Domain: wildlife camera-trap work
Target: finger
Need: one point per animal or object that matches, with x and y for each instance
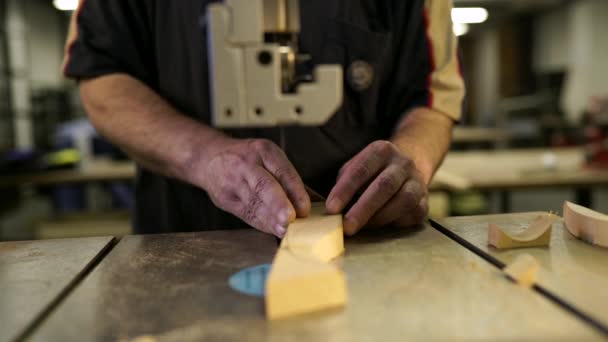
(245, 204)
(355, 174)
(263, 186)
(380, 191)
(276, 162)
(403, 205)
(416, 216)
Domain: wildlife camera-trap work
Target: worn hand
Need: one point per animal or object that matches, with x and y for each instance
(393, 190)
(254, 180)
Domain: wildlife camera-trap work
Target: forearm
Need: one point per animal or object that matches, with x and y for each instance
(150, 130)
(425, 136)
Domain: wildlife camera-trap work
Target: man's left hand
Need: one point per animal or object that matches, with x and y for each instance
(393, 190)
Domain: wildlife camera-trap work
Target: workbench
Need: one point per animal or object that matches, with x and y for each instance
(476, 170)
(438, 283)
(101, 170)
(506, 170)
(496, 170)
(479, 135)
(523, 169)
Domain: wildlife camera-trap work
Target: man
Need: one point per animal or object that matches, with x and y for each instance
(143, 72)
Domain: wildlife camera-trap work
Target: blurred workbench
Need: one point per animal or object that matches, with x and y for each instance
(474, 170)
(474, 135)
(415, 284)
(525, 168)
(96, 171)
(507, 170)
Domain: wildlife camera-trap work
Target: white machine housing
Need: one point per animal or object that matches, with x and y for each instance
(248, 93)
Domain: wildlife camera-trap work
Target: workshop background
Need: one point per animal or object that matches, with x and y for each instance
(533, 135)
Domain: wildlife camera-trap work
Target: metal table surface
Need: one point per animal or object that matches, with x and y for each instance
(409, 284)
(34, 275)
(573, 270)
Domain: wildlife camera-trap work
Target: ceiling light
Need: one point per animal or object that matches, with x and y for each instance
(469, 15)
(65, 5)
(460, 29)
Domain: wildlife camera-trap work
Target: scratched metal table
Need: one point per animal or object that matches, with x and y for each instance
(409, 284)
(36, 274)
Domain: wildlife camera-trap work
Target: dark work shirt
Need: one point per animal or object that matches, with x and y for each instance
(163, 43)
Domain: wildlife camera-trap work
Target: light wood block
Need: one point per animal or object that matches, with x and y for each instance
(299, 285)
(536, 235)
(586, 224)
(318, 236)
(523, 270)
(302, 278)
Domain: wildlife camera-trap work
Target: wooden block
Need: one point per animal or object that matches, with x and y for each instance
(586, 224)
(302, 278)
(523, 270)
(537, 234)
(298, 285)
(318, 236)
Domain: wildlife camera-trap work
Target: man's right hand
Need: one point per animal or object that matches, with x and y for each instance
(253, 180)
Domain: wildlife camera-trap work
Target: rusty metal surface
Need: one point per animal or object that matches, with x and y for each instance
(33, 274)
(403, 285)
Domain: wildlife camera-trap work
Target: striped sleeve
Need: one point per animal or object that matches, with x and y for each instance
(445, 84)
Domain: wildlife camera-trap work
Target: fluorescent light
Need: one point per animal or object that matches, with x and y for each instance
(65, 5)
(460, 29)
(469, 15)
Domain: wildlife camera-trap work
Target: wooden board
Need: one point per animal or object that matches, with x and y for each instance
(403, 285)
(299, 285)
(303, 278)
(586, 224)
(574, 270)
(35, 274)
(318, 236)
(537, 234)
(523, 270)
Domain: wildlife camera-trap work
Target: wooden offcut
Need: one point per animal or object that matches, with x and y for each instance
(302, 278)
(536, 235)
(318, 236)
(523, 270)
(586, 224)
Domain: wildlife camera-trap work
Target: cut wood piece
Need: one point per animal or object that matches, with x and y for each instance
(318, 236)
(298, 285)
(302, 278)
(537, 234)
(523, 270)
(586, 224)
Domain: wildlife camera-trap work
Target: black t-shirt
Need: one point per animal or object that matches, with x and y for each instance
(408, 44)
